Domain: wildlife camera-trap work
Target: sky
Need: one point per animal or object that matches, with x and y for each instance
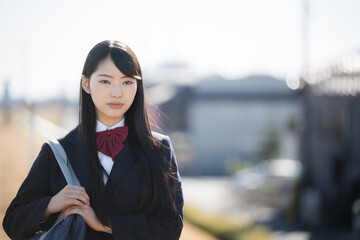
(43, 43)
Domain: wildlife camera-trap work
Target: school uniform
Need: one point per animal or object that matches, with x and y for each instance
(45, 179)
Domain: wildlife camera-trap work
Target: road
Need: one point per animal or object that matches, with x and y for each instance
(216, 195)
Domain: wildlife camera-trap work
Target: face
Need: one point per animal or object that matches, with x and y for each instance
(111, 91)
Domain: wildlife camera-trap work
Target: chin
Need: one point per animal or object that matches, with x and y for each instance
(117, 116)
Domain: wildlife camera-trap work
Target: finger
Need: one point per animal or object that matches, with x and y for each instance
(79, 192)
(85, 196)
(79, 197)
(82, 195)
(73, 202)
(64, 212)
(71, 211)
(72, 187)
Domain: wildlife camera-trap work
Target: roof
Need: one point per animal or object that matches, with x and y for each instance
(252, 85)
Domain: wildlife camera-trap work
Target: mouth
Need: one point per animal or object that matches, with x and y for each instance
(115, 105)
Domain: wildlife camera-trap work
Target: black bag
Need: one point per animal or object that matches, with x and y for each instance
(72, 228)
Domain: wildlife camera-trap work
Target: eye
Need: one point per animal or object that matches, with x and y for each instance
(128, 82)
(104, 81)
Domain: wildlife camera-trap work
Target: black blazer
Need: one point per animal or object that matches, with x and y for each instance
(45, 179)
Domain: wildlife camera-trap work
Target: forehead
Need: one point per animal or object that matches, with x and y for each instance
(107, 66)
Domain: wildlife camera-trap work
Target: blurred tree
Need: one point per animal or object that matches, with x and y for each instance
(5, 103)
(269, 145)
(234, 164)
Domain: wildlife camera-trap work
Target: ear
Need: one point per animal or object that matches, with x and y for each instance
(85, 84)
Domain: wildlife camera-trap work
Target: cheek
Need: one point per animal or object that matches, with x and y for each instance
(132, 93)
(97, 97)
(97, 90)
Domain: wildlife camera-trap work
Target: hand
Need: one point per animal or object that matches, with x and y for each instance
(69, 196)
(89, 215)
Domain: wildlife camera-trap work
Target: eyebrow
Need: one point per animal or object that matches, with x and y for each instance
(104, 75)
(109, 76)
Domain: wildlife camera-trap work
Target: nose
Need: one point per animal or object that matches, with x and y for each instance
(116, 90)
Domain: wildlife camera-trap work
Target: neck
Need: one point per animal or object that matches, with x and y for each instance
(110, 123)
(101, 126)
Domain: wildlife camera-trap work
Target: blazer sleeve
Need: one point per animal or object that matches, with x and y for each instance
(23, 216)
(160, 226)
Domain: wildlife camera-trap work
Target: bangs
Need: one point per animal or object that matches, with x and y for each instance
(124, 61)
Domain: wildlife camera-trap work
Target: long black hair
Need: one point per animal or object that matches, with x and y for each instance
(158, 178)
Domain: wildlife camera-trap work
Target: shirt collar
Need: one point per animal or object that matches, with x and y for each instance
(102, 127)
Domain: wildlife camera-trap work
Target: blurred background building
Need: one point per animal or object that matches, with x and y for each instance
(329, 146)
(222, 123)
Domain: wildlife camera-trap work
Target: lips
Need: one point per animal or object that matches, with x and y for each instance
(115, 105)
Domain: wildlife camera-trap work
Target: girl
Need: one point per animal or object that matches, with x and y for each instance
(131, 187)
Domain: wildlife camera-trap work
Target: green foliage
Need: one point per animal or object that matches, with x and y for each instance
(235, 164)
(224, 229)
(269, 146)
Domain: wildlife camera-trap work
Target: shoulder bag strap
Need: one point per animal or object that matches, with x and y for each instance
(67, 171)
(63, 162)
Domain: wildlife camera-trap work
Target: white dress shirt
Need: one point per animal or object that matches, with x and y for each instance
(105, 160)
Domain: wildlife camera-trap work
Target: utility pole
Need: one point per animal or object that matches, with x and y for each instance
(305, 36)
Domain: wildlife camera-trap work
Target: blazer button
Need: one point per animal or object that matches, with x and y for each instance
(39, 232)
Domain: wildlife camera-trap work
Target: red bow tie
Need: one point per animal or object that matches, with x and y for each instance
(110, 142)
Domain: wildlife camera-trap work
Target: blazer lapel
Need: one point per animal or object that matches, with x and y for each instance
(77, 157)
(122, 163)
